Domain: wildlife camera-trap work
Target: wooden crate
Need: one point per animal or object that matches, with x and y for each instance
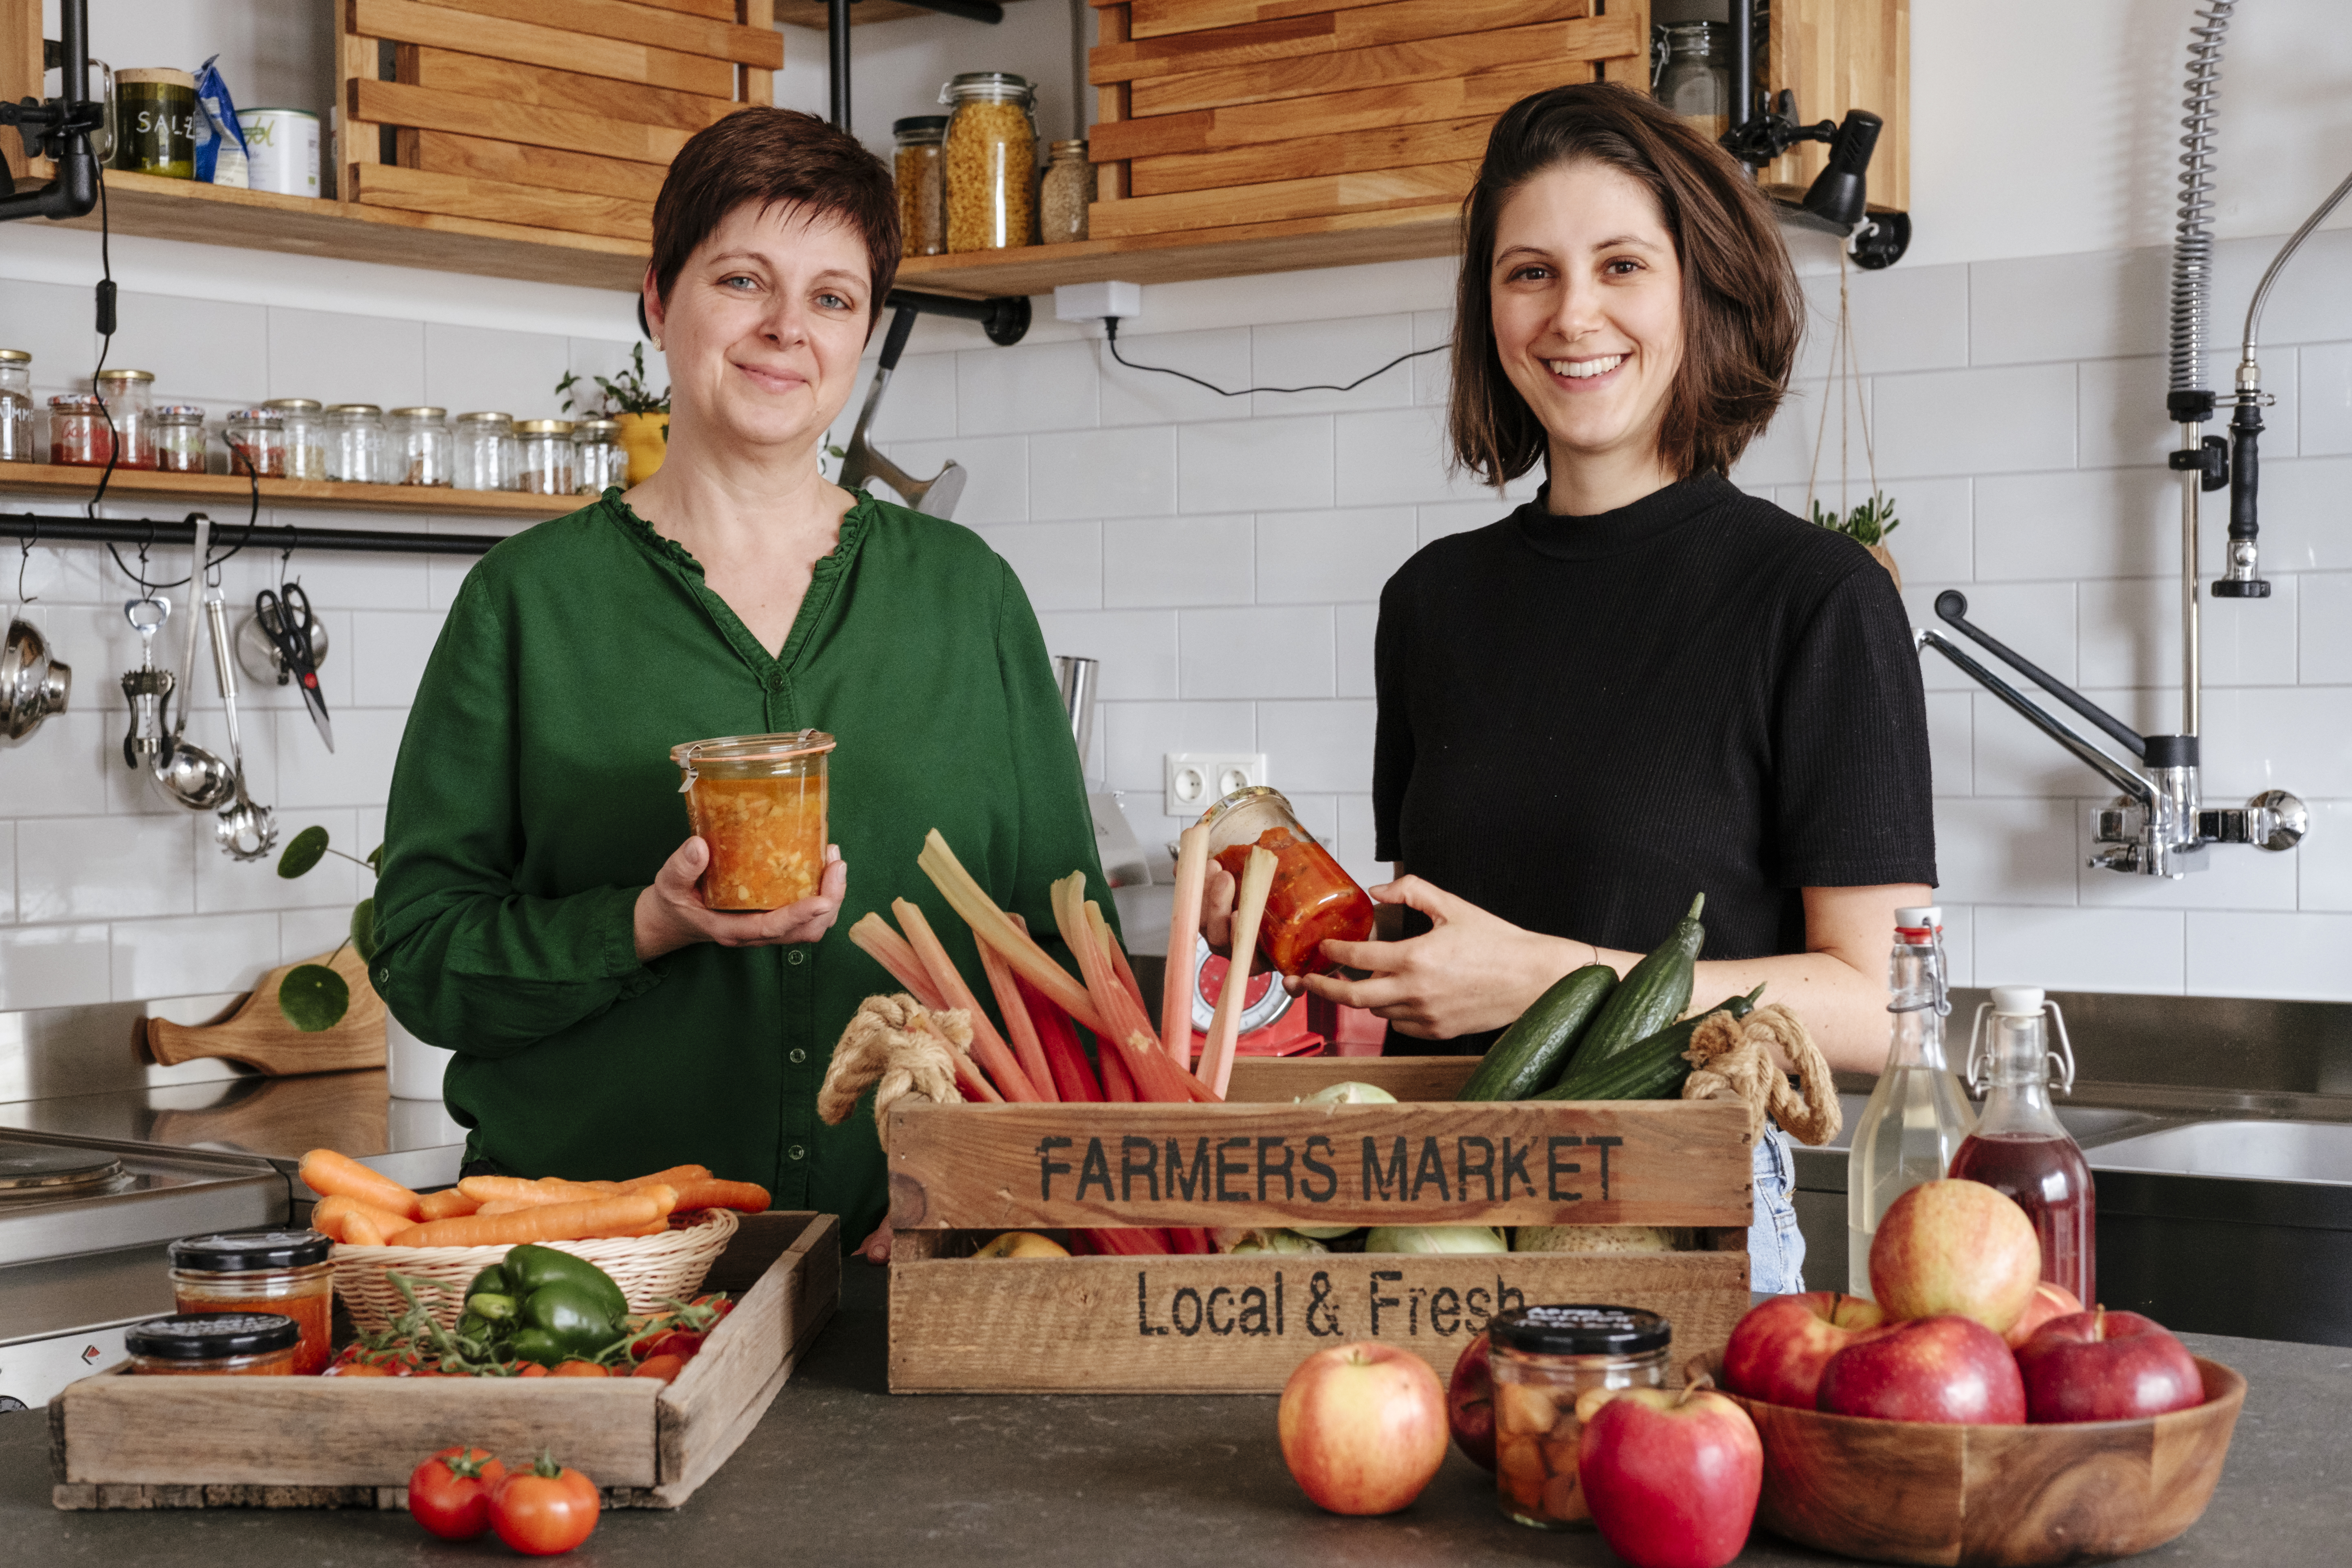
(122, 1442)
(1240, 1325)
(1221, 114)
(549, 117)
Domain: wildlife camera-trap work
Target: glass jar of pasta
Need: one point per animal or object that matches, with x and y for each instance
(918, 169)
(992, 161)
(759, 803)
(1545, 1359)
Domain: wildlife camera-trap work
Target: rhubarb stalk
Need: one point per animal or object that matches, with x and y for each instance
(873, 936)
(988, 1047)
(990, 925)
(1183, 944)
(1226, 1027)
(1017, 1023)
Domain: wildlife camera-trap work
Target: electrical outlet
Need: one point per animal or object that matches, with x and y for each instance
(1198, 780)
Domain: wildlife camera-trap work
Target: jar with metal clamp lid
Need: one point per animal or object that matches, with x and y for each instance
(992, 161)
(2019, 1147)
(1546, 1360)
(758, 802)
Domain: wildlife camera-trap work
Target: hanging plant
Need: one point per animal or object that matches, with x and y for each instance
(1868, 524)
(312, 995)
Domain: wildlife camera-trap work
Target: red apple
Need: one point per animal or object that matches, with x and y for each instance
(2106, 1366)
(1470, 1403)
(1955, 1247)
(2049, 1301)
(1363, 1427)
(1777, 1352)
(1948, 1369)
(1671, 1478)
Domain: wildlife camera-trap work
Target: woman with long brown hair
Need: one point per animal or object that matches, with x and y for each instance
(1644, 684)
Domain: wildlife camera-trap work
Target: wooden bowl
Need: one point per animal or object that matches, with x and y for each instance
(1906, 1492)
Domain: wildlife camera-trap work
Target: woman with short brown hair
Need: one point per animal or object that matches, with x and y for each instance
(539, 909)
(1644, 684)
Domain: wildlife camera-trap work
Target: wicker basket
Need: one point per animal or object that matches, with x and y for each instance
(648, 1268)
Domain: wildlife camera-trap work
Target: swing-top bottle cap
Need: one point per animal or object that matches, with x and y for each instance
(2017, 1000)
(1926, 915)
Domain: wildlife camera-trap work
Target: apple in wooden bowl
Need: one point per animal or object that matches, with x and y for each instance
(1914, 1491)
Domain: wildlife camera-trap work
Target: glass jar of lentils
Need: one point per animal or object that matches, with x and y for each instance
(992, 161)
(1065, 194)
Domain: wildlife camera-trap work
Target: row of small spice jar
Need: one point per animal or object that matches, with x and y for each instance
(297, 438)
(968, 180)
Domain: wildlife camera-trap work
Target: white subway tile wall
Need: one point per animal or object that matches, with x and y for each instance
(1223, 558)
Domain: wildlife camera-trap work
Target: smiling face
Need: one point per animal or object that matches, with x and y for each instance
(764, 329)
(1588, 322)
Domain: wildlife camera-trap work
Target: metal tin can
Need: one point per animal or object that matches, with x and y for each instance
(1545, 1360)
(281, 149)
(155, 122)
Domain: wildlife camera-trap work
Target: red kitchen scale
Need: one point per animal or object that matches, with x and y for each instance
(1276, 1024)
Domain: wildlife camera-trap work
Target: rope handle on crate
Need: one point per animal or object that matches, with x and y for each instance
(896, 1047)
(1731, 1058)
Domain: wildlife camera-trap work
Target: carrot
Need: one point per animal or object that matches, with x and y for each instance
(676, 1176)
(327, 1174)
(545, 1222)
(446, 1203)
(1072, 1077)
(988, 1047)
(359, 1230)
(744, 1197)
(515, 1190)
(334, 1213)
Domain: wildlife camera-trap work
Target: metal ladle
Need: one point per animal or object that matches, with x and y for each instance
(190, 774)
(245, 831)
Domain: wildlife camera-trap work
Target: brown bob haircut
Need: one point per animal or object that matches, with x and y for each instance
(1742, 312)
(775, 157)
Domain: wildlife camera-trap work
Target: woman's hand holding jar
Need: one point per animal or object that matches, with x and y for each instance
(670, 913)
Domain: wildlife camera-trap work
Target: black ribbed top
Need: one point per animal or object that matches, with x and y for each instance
(1583, 720)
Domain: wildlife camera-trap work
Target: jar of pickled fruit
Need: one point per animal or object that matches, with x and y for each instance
(285, 1272)
(1545, 1360)
(758, 802)
(1312, 900)
(232, 1344)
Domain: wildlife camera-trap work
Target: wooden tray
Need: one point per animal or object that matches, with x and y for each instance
(1998, 1497)
(120, 1442)
(1241, 1324)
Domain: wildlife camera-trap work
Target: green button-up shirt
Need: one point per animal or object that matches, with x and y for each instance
(534, 797)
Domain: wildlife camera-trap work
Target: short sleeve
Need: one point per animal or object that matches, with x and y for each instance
(1854, 801)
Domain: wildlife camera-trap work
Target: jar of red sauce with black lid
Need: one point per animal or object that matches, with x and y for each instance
(284, 1272)
(237, 1344)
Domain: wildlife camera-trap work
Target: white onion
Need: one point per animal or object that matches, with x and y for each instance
(1350, 1094)
(1272, 1239)
(1434, 1238)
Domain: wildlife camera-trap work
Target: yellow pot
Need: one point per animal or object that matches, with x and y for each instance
(646, 438)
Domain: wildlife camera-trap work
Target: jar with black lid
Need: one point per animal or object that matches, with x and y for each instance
(1545, 1359)
(282, 1271)
(234, 1344)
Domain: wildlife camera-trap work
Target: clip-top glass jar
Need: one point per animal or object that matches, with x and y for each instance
(758, 802)
(15, 407)
(918, 169)
(1312, 902)
(1065, 194)
(282, 1271)
(543, 456)
(237, 1344)
(485, 451)
(1695, 82)
(78, 436)
(256, 439)
(1545, 1360)
(305, 440)
(417, 448)
(597, 461)
(355, 443)
(180, 438)
(991, 159)
(129, 396)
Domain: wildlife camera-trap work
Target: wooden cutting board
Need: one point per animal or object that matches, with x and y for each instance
(256, 1034)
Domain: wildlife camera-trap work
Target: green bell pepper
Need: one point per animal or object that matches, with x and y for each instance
(546, 1306)
(529, 1268)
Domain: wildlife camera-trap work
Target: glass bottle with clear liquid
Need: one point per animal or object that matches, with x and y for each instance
(1917, 1115)
(2020, 1148)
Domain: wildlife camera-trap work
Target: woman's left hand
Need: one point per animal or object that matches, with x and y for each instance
(1472, 971)
(670, 913)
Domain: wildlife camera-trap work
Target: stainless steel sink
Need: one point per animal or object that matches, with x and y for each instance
(2311, 1151)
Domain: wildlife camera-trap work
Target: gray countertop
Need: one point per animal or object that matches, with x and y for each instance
(841, 1472)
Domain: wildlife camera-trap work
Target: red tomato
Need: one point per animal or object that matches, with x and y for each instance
(544, 1510)
(449, 1494)
(665, 1367)
(532, 1369)
(578, 1369)
(356, 1369)
(683, 1343)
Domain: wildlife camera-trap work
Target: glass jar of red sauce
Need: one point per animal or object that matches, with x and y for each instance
(236, 1344)
(1312, 899)
(79, 435)
(280, 1272)
(758, 802)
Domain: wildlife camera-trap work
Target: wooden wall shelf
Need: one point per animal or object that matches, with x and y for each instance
(223, 491)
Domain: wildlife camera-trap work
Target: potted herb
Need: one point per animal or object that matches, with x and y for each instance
(642, 413)
(1868, 526)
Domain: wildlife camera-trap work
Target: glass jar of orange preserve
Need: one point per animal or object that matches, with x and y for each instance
(282, 1271)
(1312, 899)
(234, 1344)
(758, 801)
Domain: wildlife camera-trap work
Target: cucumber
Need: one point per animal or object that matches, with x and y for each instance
(1649, 1069)
(1652, 995)
(1532, 1049)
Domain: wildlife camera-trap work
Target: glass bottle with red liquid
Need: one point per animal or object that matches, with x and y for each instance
(1312, 899)
(2019, 1148)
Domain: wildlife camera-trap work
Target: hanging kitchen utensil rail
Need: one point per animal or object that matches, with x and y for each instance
(33, 527)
